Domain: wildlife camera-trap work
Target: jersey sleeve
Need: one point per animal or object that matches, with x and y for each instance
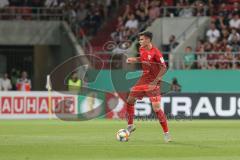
(159, 57)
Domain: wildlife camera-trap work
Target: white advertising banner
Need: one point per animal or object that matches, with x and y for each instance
(36, 105)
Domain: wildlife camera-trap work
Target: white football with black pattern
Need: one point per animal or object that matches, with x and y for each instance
(122, 135)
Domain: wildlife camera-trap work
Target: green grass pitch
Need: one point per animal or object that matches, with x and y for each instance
(95, 139)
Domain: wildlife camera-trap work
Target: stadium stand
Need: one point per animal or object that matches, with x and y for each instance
(142, 14)
(87, 17)
(222, 40)
(84, 17)
(95, 23)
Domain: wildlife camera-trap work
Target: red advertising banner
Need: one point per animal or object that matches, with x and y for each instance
(22, 104)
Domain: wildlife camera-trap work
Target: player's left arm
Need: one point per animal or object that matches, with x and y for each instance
(162, 66)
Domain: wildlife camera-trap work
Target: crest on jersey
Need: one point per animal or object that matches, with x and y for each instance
(149, 57)
(161, 60)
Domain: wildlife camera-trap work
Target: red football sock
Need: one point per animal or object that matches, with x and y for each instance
(162, 120)
(130, 113)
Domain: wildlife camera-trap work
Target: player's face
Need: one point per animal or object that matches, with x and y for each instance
(74, 76)
(144, 41)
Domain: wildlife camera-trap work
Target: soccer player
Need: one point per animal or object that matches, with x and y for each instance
(148, 85)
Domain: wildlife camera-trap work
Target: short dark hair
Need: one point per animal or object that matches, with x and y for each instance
(147, 34)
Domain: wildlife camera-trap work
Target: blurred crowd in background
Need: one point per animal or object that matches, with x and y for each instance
(16, 80)
(220, 47)
(221, 40)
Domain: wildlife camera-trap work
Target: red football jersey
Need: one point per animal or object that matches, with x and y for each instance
(150, 60)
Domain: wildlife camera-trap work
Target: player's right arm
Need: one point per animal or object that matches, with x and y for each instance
(133, 60)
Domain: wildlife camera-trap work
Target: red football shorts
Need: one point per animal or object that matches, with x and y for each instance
(140, 91)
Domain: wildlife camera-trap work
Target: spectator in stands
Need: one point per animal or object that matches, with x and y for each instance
(143, 20)
(117, 34)
(132, 22)
(14, 77)
(220, 48)
(120, 22)
(222, 10)
(200, 8)
(126, 34)
(23, 83)
(222, 21)
(200, 46)
(127, 11)
(175, 86)
(236, 7)
(121, 34)
(189, 58)
(154, 10)
(74, 83)
(142, 16)
(142, 7)
(212, 64)
(81, 14)
(237, 58)
(107, 7)
(5, 83)
(224, 33)
(208, 47)
(51, 3)
(180, 4)
(201, 56)
(235, 44)
(186, 11)
(222, 62)
(234, 35)
(229, 58)
(172, 42)
(70, 13)
(224, 45)
(235, 21)
(94, 21)
(131, 28)
(213, 33)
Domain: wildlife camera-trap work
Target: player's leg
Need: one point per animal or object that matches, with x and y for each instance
(161, 116)
(159, 113)
(130, 113)
(135, 93)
